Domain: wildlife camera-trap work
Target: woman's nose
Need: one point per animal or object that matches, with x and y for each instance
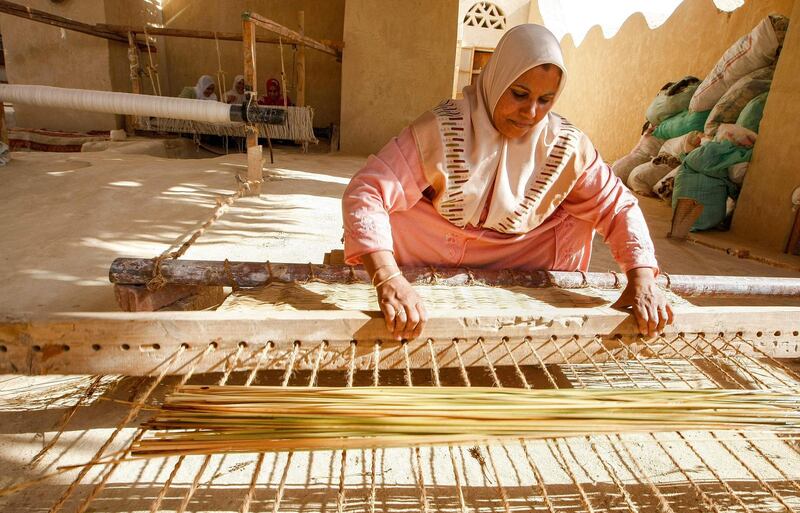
(529, 109)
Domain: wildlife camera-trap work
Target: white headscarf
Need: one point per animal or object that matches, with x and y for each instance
(232, 92)
(202, 84)
(467, 160)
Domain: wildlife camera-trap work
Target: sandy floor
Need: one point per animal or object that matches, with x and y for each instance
(65, 217)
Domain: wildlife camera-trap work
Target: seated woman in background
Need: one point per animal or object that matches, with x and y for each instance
(204, 90)
(496, 181)
(273, 96)
(236, 93)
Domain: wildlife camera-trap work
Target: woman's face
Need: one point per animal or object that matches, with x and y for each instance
(208, 90)
(240, 87)
(273, 90)
(526, 101)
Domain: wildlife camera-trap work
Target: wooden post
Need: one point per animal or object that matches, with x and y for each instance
(3, 128)
(136, 83)
(793, 248)
(254, 154)
(301, 68)
(301, 63)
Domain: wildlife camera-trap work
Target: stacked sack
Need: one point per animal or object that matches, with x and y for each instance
(672, 100)
(672, 134)
(735, 91)
(700, 134)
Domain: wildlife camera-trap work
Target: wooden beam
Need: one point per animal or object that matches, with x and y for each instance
(136, 81)
(254, 153)
(290, 34)
(208, 34)
(61, 22)
(793, 246)
(3, 127)
(136, 344)
(138, 271)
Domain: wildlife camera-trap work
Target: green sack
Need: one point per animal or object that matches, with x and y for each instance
(703, 176)
(189, 93)
(680, 124)
(664, 106)
(751, 115)
(715, 157)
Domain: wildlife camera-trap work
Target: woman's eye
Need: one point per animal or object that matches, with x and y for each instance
(545, 101)
(518, 94)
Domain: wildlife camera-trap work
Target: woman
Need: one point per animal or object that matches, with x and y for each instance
(204, 90)
(273, 96)
(236, 93)
(496, 181)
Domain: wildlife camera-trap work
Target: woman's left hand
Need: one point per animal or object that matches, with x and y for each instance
(650, 307)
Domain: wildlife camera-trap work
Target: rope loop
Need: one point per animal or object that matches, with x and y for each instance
(584, 280)
(268, 267)
(434, 276)
(226, 265)
(157, 281)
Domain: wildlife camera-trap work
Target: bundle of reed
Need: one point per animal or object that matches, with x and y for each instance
(214, 419)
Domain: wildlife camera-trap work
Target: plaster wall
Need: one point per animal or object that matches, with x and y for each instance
(399, 61)
(186, 59)
(135, 14)
(44, 55)
(612, 81)
(764, 211)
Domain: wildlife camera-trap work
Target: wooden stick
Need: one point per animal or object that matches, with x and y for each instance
(136, 343)
(136, 83)
(65, 23)
(301, 63)
(208, 34)
(138, 271)
(288, 33)
(254, 154)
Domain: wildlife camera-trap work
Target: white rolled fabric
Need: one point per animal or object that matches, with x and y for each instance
(116, 103)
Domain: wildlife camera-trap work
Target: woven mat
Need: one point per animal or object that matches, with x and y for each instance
(339, 296)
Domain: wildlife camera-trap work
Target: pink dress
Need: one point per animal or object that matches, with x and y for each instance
(384, 208)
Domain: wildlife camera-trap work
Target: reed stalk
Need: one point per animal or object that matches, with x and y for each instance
(213, 419)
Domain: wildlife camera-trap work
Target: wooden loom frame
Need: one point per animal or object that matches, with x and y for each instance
(249, 22)
(138, 343)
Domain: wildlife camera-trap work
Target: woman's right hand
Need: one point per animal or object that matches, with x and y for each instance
(402, 308)
(400, 304)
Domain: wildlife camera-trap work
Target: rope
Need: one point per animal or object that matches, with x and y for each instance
(223, 202)
(298, 126)
(152, 68)
(438, 382)
(220, 71)
(90, 391)
(120, 426)
(226, 265)
(283, 75)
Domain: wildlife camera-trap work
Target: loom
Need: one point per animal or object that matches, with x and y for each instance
(309, 325)
(142, 105)
(316, 325)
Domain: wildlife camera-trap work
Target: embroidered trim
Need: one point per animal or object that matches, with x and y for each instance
(451, 127)
(563, 150)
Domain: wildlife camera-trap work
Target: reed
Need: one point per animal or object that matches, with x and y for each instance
(214, 419)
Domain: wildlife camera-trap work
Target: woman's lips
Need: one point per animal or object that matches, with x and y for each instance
(519, 124)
